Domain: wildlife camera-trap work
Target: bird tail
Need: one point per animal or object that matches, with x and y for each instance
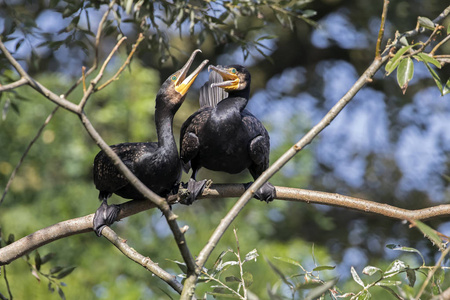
(211, 96)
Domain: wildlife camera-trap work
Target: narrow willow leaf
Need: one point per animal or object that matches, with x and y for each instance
(393, 62)
(429, 59)
(405, 72)
(322, 268)
(446, 88)
(394, 268)
(365, 295)
(280, 274)
(385, 282)
(391, 291)
(221, 296)
(318, 291)
(370, 270)
(181, 265)
(436, 78)
(65, 272)
(356, 277)
(406, 249)
(427, 23)
(430, 233)
(411, 276)
(37, 261)
(232, 279)
(248, 279)
(289, 261)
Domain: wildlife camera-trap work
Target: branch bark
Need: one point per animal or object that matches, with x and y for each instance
(217, 191)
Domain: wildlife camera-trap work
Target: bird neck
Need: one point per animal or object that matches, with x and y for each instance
(233, 102)
(164, 128)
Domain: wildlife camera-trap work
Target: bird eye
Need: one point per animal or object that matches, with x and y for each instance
(174, 78)
(233, 71)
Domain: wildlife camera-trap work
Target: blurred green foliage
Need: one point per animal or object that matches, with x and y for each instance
(55, 184)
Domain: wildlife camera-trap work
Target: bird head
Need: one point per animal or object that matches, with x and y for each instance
(175, 88)
(235, 77)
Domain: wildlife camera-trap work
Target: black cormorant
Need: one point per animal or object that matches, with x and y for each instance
(157, 165)
(222, 135)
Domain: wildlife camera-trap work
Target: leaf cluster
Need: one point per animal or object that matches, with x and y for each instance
(402, 61)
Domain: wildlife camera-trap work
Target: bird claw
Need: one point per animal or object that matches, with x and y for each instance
(194, 189)
(265, 193)
(105, 216)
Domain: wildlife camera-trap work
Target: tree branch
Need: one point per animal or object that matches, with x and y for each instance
(50, 116)
(83, 224)
(13, 85)
(381, 32)
(277, 165)
(138, 258)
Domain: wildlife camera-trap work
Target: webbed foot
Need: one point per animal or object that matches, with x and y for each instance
(265, 193)
(105, 216)
(194, 188)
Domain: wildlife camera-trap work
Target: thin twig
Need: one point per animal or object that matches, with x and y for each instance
(431, 273)
(50, 116)
(13, 85)
(93, 83)
(277, 165)
(25, 153)
(7, 284)
(96, 47)
(446, 39)
(36, 85)
(138, 258)
(381, 32)
(241, 271)
(127, 62)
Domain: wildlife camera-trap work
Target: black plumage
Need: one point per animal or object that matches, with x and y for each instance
(156, 164)
(222, 135)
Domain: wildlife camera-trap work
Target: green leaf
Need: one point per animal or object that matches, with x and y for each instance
(289, 261)
(406, 249)
(394, 268)
(61, 294)
(405, 72)
(436, 78)
(37, 261)
(232, 279)
(280, 274)
(427, 23)
(448, 29)
(430, 233)
(365, 295)
(220, 295)
(446, 88)
(356, 277)
(385, 282)
(429, 59)
(65, 272)
(322, 268)
(393, 62)
(248, 279)
(370, 270)
(411, 276)
(47, 257)
(252, 255)
(391, 291)
(318, 291)
(55, 269)
(181, 265)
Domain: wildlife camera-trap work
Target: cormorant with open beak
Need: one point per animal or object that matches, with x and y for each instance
(222, 135)
(156, 164)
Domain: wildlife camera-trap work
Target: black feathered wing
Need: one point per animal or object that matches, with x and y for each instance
(107, 177)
